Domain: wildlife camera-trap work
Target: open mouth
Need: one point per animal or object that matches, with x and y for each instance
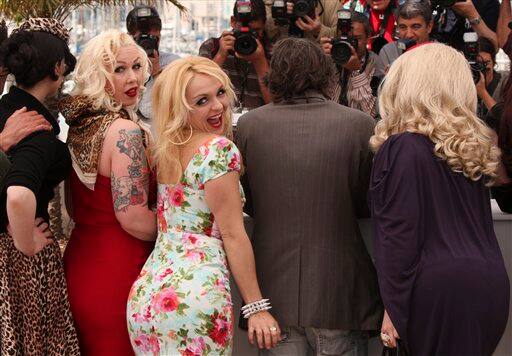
(132, 92)
(215, 121)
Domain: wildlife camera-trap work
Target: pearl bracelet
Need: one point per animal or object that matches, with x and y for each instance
(255, 307)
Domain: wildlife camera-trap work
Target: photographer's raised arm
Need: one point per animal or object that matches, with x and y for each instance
(503, 31)
(467, 10)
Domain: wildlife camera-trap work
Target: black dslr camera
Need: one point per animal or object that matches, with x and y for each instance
(143, 16)
(471, 50)
(279, 13)
(302, 8)
(245, 38)
(341, 46)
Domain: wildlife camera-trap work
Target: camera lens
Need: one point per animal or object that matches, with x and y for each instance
(245, 44)
(301, 8)
(341, 52)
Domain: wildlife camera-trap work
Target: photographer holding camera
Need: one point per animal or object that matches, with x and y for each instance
(415, 24)
(244, 53)
(456, 17)
(144, 24)
(355, 63)
(312, 19)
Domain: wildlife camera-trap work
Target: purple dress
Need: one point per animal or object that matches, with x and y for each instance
(440, 268)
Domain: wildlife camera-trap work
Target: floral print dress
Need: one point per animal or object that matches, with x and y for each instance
(181, 302)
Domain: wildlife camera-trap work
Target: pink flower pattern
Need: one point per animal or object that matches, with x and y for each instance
(181, 302)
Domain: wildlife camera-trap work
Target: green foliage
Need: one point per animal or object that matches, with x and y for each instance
(18, 10)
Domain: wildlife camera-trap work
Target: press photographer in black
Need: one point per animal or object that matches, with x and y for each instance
(453, 18)
(311, 19)
(244, 53)
(355, 63)
(144, 24)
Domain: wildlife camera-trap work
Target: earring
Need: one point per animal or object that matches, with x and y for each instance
(186, 141)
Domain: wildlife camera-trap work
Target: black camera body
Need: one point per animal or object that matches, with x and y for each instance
(245, 38)
(341, 45)
(149, 43)
(245, 41)
(471, 51)
(143, 17)
(302, 8)
(279, 13)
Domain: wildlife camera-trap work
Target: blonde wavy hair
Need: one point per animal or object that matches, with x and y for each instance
(171, 111)
(95, 68)
(429, 90)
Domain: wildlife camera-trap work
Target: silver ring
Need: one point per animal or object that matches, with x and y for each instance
(385, 337)
(273, 328)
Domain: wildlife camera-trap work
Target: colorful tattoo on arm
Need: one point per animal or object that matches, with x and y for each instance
(131, 189)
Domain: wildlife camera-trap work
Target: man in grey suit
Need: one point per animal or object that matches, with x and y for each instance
(307, 165)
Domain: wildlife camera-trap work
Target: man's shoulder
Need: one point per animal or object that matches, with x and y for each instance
(167, 57)
(209, 47)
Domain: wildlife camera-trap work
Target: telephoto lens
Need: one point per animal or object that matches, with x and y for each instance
(302, 8)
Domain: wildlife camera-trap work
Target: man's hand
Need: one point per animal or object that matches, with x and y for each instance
(466, 9)
(21, 124)
(307, 24)
(480, 86)
(226, 43)
(325, 42)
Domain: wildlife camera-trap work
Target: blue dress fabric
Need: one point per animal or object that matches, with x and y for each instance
(440, 268)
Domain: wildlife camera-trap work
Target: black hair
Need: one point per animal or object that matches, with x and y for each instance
(258, 11)
(488, 47)
(134, 24)
(32, 56)
(411, 9)
(298, 65)
(362, 19)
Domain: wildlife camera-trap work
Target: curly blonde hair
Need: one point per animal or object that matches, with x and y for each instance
(95, 68)
(171, 110)
(429, 90)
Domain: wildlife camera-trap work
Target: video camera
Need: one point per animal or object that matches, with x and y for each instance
(143, 18)
(471, 50)
(344, 42)
(245, 38)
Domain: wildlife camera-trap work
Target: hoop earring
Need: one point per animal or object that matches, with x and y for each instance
(186, 141)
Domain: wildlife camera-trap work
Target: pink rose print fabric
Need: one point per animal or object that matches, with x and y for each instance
(181, 302)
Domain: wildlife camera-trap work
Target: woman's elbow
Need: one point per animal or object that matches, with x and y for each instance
(18, 196)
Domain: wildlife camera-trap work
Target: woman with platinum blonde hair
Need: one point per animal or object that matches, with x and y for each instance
(441, 273)
(181, 302)
(111, 190)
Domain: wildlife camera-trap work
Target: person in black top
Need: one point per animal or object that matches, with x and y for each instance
(34, 310)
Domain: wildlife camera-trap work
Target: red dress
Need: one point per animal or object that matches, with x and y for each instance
(101, 262)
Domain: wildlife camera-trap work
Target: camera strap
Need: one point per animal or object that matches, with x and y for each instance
(244, 72)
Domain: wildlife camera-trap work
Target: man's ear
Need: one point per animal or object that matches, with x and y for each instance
(233, 22)
(430, 26)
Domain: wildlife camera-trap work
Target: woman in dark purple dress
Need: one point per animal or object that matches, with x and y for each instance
(440, 269)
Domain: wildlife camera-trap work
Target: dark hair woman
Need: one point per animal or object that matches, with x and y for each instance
(34, 309)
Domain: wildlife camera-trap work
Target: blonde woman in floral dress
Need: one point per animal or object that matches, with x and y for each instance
(181, 302)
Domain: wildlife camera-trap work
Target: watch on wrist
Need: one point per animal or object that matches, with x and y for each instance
(475, 21)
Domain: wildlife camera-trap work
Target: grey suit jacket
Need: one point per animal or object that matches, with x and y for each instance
(307, 168)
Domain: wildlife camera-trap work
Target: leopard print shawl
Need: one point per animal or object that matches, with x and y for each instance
(87, 129)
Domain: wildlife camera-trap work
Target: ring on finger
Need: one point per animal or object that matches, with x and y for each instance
(385, 337)
(273, 329)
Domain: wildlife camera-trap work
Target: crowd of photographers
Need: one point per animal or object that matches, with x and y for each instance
(363, 38)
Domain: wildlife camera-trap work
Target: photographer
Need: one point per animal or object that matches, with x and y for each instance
(480, 16)
(414, 27)
(144, 25)
(491, 81)
(382, 19)
(245, 70)
(320, 23)
(353, 88)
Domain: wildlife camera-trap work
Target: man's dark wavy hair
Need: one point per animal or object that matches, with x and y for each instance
(298, 65)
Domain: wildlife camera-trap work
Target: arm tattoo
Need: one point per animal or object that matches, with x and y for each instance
(131, 189)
